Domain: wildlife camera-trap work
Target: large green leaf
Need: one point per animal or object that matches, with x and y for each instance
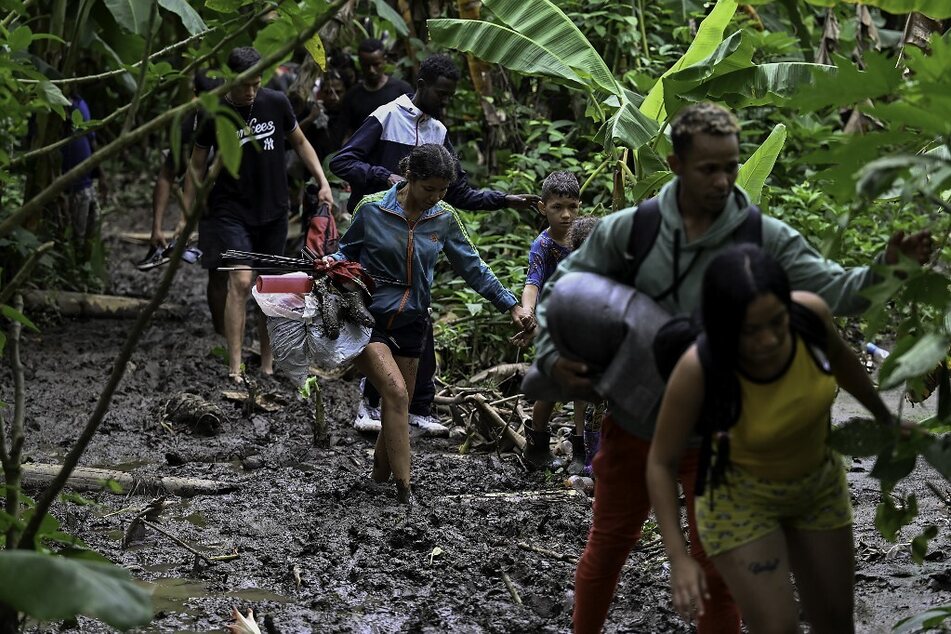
(132, 15)
(924, 621)
(390, 14)
(226, 134)
(629, 127)
(709, 36)
(501, 45)
(926, 353)
(545, 24)
(850, 85)
(861, 437)
(753, 173)
(190, 18)
(733, 54)
(51, 588)
(765, 84)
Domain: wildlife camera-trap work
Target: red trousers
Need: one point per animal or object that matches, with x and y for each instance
(621, 505)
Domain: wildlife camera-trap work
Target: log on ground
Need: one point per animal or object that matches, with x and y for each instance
(92, 305)
(93, 479)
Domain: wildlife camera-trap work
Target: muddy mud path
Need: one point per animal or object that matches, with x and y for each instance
(321, 548)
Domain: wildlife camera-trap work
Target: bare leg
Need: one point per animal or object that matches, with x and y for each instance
(239, 288)
(216, 294)
(541, 414)
(580, 409)
(824, 565)
(391, 376)
(267, 356)
(757, 574)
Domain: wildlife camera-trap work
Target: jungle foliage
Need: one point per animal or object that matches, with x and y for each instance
(844, 130)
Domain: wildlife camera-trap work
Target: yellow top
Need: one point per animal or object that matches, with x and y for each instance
(784, 423)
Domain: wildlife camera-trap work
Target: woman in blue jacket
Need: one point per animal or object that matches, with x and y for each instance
(397, 235)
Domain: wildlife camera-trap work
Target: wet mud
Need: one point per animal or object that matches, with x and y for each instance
(320, 546)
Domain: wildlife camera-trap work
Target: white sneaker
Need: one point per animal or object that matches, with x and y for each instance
(368, 418)
(429, 425)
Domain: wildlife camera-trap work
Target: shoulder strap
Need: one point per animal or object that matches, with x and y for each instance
(751, 230)
(644, 230)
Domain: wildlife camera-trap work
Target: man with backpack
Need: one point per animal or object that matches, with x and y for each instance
(663, 253)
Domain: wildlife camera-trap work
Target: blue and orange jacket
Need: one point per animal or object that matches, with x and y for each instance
(401, 257)
(390, 133)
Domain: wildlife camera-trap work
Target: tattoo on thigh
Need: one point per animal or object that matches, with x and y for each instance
(757, 567)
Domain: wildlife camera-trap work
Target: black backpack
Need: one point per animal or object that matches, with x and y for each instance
(646, 226)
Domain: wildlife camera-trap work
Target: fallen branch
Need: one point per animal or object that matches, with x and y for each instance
(92, 479)
(548, 553)
(92, 305)
(493, 416)
(498, 373)
(511, 588)
(176, 540)
(512, 496)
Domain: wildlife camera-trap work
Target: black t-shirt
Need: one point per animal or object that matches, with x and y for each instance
(190, 124)
(259, 194)
(359, 103)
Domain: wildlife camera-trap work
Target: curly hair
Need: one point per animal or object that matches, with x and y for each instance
(701, 118)
(370, 45)
(242, 58)
(429, 160)
(436, 66)
(561, 184)
(580, 229)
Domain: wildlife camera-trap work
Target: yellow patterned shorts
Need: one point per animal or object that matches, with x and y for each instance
(748, 507)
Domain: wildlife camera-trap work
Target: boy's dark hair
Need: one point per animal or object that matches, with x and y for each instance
(370, 45)
(561, 184)
(242, 58)
(203, 83)
(701, 118)
(580, 229)
(436, 66)
(429, 160)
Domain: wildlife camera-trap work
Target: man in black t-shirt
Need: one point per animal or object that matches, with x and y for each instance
(249, 213)
(375, 89)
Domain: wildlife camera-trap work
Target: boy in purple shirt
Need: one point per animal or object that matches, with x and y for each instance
(561, 200)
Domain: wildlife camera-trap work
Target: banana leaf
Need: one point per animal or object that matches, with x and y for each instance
(849, 85)
(935, 9)
(629, 127)
(190, 18)
(545, 24)
(709, 36)
(765, 84)
(733, 54)
(501, 45)
(132, 15)
(753, 173)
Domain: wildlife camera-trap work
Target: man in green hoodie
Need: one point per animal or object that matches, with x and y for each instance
(700, 210)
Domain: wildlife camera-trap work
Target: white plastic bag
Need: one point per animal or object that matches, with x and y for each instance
(298, 340)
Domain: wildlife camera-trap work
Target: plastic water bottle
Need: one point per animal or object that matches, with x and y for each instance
(878, 354)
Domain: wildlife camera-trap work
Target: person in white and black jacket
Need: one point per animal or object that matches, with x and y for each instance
(369, 161)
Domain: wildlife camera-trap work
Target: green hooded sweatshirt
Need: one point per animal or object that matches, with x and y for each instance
(604, 253)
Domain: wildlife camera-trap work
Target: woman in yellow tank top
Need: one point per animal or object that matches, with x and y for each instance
(783, 505)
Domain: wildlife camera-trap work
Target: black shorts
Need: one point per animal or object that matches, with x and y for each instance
(403, 341)
(218, 234)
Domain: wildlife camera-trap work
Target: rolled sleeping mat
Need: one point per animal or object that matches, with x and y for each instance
(611, 327)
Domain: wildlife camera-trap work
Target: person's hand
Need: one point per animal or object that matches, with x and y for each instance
(573, 376)
(394, 179)
(523, 338)
(522, 201)
(157, 239)
(917, 246)
(523, 318)
(325, 196)
(688, 587)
